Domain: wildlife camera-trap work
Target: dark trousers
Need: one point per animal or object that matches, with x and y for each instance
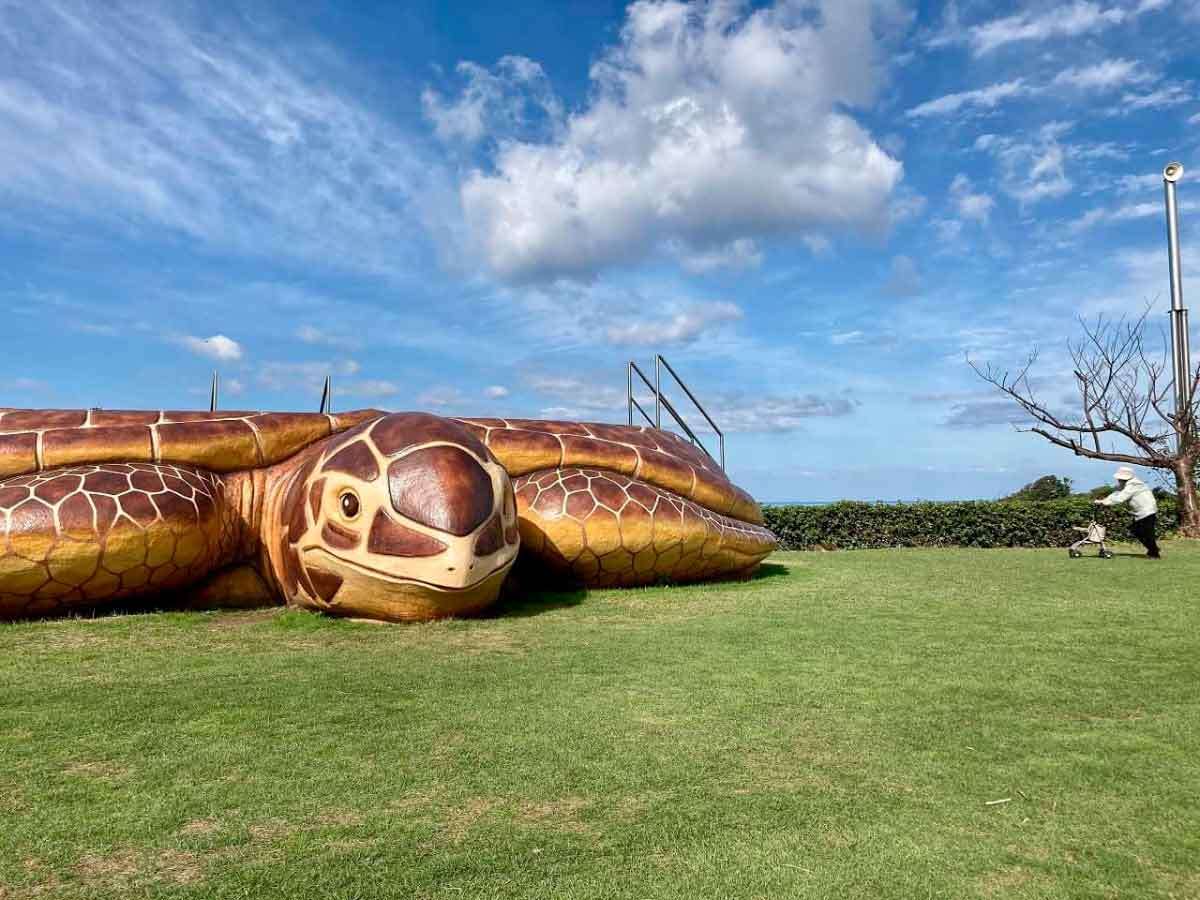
(1143, 530)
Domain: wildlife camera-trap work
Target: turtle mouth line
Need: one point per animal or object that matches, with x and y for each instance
(398, 579)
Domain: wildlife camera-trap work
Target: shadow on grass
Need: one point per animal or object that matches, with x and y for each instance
(534, 597)
(524, 603)
(769, 570)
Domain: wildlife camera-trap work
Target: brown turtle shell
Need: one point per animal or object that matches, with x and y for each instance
(32, 440)
(660, 458)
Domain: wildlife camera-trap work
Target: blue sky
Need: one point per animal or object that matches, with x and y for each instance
(816, 211)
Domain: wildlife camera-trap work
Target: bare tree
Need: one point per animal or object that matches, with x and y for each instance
(1125, 412)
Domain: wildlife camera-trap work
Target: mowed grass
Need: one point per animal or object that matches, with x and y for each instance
(841, 726)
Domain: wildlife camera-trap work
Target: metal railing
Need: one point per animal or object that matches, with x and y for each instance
(661, 402)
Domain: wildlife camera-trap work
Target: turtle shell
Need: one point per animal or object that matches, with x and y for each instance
(32, 440)
(660, 458)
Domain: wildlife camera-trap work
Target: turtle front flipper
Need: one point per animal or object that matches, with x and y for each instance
(602, 528)
(81, 537)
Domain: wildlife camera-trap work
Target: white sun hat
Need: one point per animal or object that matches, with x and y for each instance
(1124, 473)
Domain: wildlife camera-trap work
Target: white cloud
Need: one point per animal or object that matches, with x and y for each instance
(141, 117)
(578, 396)
(683, 327)
(218, 347)
(766, 413)
(495, 391)
(981, 413)
(948, 230)
(1127, 212)
(1104, 76)
(492, 105)
(819, 245)
(1139, 184)
(906, 204)
(1194, 120)
(970, 205)
(1032, 170)
(984, 98)
(846, 337)
(706, 124)
(732, 411)
(1168, 95)
(1108, 75)
(1072, 20)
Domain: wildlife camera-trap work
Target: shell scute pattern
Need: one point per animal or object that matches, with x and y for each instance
(85, 534)
(34, 440)
(660, 458)
(609, 529)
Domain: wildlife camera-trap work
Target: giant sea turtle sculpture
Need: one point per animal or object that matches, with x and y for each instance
(392, 516)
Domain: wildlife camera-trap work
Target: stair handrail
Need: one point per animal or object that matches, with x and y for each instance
(660, 400)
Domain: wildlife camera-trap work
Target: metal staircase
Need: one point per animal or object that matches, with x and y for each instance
(661, 403)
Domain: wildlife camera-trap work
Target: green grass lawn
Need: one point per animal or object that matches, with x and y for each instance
(838, 727)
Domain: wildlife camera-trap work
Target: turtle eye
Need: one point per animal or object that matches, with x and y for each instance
(349, 504)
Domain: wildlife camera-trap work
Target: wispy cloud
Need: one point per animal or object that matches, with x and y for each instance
(971, 205)
(1167, 95)
(983, 98)
(1070, 20)
(1125, 213)
(737, 412)
(682, 327)
(500, 104)
(309, 374)
(1032, 170)
(978, 413)
(139, 117)
(310, 334)
(1105, 76)
(441, 397)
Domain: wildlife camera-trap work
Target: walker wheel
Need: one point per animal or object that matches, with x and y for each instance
(1075, 554)
(1106, 554)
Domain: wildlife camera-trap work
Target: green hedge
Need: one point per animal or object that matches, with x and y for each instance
(850, 526)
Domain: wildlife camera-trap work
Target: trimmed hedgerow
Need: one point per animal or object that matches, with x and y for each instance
(985, 523)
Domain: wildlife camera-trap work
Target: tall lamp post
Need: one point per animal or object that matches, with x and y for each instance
(1180, 352)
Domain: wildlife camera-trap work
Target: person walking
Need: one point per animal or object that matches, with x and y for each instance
(1142, 504)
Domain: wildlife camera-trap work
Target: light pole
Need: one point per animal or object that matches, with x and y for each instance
(1181, 362)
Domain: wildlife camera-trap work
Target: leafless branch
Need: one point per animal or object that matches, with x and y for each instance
(1123, 397)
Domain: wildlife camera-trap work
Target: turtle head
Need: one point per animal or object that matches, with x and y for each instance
(405, 517)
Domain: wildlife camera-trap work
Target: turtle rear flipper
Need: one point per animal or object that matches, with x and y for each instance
(85, 536)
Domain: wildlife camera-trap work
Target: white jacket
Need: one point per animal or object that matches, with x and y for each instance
(1140, 497)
